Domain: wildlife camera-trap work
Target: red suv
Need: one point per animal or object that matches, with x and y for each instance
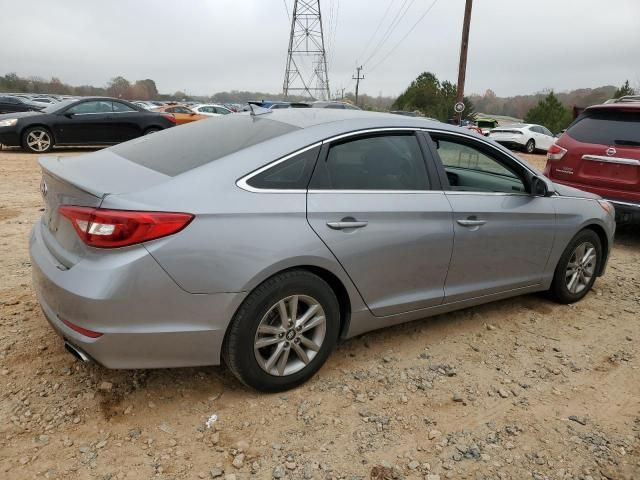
(600, 153)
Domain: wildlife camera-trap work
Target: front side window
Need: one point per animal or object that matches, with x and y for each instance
(292, 174)
(469, 169)
(222, 111)
(91, 107)
(382, 162)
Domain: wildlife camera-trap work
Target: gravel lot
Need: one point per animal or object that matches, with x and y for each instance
(518, 389)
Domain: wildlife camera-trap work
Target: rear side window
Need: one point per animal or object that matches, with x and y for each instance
(383, 162)
(291, 174)
(177, 150)
(607, 128)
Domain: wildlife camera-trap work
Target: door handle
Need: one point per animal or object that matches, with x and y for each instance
(343, 225)
(471, 223)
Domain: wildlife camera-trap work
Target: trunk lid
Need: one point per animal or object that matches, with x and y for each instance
(85, 181)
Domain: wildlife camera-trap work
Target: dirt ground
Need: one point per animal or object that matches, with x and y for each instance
(517, 389)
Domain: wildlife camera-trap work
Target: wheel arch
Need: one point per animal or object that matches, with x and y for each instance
(33, 125)
(604, 242)
(338, 285)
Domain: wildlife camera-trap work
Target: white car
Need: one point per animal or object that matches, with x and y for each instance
(524, 136)
(211, 110)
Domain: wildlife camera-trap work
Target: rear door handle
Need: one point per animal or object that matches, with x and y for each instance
(343, 225)
(471, 223)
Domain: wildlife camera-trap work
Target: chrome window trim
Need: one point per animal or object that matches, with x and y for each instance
(386, 192)
(242, 182)
(624, 204)
(618, 160)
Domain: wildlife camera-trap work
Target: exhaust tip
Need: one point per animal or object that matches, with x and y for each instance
(76, 352)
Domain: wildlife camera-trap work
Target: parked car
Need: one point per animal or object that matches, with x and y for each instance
(11, 104)
(181, 113)
(523, 136)
(211, 110)
(334, 104)
(486, 124)
(145, 104)
(265, 239)
(90, 121)
(600, 153)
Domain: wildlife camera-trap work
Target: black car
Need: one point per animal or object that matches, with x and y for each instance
(88, 121)
(11, 104)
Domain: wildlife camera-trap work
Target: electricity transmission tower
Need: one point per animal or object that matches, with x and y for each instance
(306, 40)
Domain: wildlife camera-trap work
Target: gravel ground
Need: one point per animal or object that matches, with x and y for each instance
(517, 389)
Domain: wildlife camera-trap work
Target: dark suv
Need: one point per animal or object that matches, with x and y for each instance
(600, 153)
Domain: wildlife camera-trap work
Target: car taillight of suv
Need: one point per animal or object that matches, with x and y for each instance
(600, 153)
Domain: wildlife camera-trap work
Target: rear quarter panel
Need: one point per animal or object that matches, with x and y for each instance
(573, 215)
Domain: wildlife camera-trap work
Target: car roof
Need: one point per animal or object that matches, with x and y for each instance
(616, 106)
(311, 117)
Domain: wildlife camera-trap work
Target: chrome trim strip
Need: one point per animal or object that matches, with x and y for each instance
(371, 130)
(619, 160)
(625, 204)
(242, 182)
(335, 190)
(497, 194)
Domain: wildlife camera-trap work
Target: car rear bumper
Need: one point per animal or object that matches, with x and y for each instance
(509, 143)
(146, 320)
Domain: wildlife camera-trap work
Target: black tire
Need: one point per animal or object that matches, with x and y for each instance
(151, 130)
(42, 146)
(530, 147)
(238, 347)
(559, 289)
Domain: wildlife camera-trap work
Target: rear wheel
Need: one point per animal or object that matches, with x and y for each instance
(283, 332)
(151, 130)
(37, 140)
(530, 147)
(577, 269)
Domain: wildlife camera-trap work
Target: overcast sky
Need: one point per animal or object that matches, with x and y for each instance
(205, 46)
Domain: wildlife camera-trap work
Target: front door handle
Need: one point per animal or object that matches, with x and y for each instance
(345, 224)
(471, 223)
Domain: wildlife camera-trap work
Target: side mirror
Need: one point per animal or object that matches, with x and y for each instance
(68, 114)
(539, 187)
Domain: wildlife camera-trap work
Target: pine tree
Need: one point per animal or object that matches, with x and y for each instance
(550, 113)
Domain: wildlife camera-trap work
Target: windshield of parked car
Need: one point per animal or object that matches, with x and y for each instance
(180, 149)
(607, 127)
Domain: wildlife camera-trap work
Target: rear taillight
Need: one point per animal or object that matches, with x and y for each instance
(169, 117)
(556, 152)
(120, 228)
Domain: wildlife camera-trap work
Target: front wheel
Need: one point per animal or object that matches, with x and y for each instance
(530, 147)
(37, 140)
(577, 269)
(283, 332)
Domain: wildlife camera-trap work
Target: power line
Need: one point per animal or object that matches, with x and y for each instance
(404, 37)
(384, 16)
(286, 8)
(394, 23)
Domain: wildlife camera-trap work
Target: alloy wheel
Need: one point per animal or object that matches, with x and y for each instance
(290, 335)
(581, 267)
(38, 140)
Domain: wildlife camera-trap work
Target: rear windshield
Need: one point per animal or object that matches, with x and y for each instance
(607, 128)
(189, 146)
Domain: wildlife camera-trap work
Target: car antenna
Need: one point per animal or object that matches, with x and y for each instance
(257, 110)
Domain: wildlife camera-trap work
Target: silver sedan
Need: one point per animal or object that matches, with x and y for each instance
(263, 239)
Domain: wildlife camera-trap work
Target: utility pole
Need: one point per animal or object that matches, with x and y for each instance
(462, 68)
(357, 78)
